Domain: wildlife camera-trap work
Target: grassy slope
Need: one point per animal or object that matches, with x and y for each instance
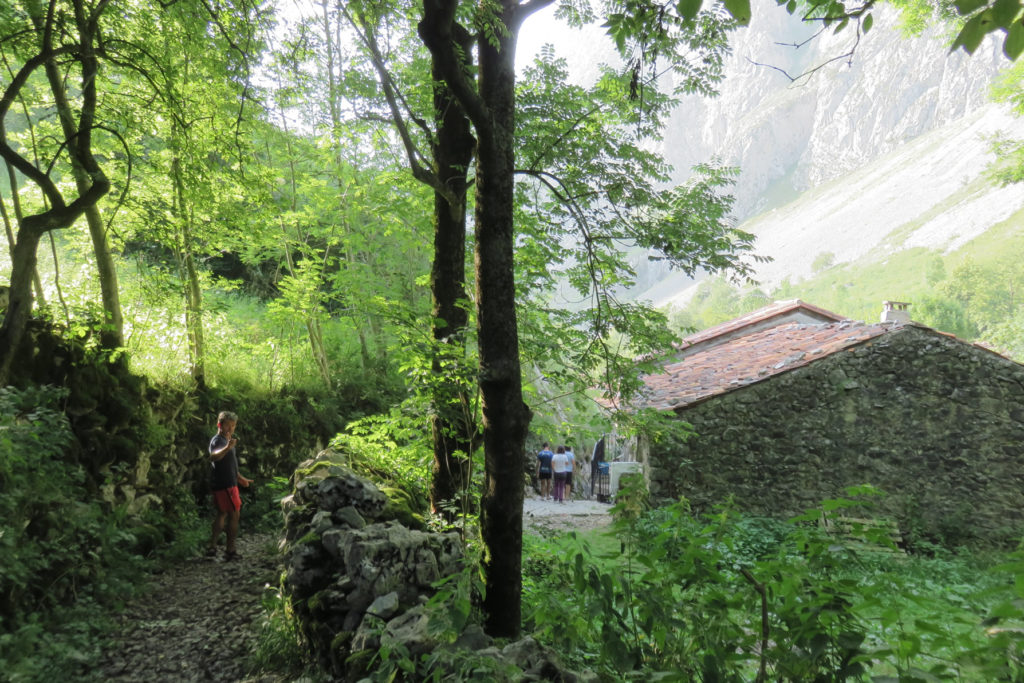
(856, 289)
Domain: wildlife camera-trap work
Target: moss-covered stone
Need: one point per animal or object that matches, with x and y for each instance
(400, 508)
(311, 537)
(325, 465)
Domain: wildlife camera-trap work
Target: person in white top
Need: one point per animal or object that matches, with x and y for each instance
(569, 471)
(559, 464)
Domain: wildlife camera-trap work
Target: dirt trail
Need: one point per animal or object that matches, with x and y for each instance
(197, 621)
(579, 515)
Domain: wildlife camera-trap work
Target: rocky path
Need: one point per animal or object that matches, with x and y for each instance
(197, 621)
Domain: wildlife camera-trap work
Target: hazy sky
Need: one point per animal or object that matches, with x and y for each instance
(578, 46)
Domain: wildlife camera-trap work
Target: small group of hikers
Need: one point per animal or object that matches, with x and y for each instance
(555, 467)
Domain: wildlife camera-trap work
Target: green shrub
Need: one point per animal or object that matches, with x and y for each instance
(394, 451)
(280, 649)
(62, 552)
(731, 598)
(265, 507)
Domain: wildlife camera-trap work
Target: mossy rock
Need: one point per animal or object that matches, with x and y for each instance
(340, 652)
(400, 507)
(311, 537)
(325, 464)
(358, 663)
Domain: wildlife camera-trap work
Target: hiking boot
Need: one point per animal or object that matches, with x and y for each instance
(231, 556)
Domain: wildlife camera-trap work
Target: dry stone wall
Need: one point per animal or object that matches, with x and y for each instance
(360, 581)
(935, 423)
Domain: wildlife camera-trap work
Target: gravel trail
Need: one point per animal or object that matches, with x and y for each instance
(196, 621)
(579, 515)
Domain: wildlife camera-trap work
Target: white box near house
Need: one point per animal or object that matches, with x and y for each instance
(616, 470)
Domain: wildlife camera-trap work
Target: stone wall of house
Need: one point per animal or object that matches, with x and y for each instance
(935, 423)
(360, 581)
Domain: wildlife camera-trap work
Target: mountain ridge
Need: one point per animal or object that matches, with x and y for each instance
(887, 152)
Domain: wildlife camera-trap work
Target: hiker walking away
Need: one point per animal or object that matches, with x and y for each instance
(544, 470)
(570, 468)
(224, 481)
(558, 464)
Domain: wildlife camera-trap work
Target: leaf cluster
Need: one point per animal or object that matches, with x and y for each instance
(983, 17)
(976, 18)
(591, 198)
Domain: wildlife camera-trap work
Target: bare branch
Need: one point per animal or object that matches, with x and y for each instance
(244, 54)
(128, 179)
(848, 56)
(557, 141)
(12, 36)
(10, 93)
(805, 42)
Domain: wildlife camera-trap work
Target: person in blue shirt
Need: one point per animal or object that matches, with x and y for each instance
(544, 470)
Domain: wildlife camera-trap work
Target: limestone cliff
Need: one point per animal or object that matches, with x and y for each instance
(883, 150)
(788, 137)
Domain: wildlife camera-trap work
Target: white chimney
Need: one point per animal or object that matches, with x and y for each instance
(895, 312)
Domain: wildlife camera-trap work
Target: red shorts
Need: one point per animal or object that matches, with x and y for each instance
(227, 500)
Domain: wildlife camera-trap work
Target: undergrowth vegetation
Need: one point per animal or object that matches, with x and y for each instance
(725, 597)
(67, 557)
(82, 522)
(666, 594)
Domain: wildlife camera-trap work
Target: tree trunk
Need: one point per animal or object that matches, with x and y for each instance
(317, 348)
(491, 108)
(23, 264)
(194, 311)
(453, 423)
(16, 202)
(191, 289)
(12, 180)
(112, 329)
(19, 303)
(506, 417)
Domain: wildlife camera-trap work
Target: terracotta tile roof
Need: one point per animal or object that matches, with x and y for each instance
(777, 313)
(779, 309)
(752, 358)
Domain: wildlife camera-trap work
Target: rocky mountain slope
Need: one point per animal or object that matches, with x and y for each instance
(884, 149)
(788, 137)
(930, 192)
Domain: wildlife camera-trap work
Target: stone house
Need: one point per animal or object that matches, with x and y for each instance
(790, 414)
